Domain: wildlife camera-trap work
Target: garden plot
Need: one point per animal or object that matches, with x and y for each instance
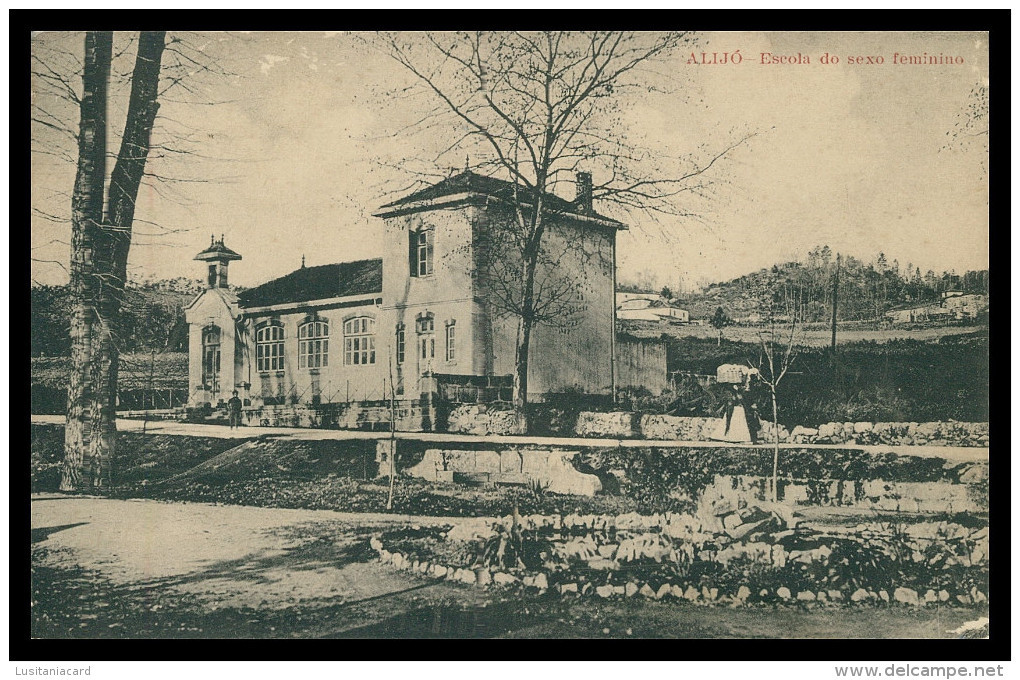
(755, 555)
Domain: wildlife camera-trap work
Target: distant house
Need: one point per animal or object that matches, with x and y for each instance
(916, 313)
(954, 304)
(649, 307)
(963, 305)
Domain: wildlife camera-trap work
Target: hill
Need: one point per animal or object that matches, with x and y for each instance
(865, 290)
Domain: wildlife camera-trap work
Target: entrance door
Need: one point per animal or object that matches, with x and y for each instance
(211, 359)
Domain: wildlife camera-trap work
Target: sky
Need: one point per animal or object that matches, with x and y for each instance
(299, 141)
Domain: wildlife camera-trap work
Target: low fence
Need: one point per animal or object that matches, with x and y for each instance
(47, 400)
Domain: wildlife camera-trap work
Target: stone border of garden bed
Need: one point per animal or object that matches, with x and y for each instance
(539, 583)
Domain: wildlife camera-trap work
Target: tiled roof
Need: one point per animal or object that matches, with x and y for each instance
(363, 277)
(470, 182)
(217, 251)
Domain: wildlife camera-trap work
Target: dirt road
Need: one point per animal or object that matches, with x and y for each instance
(122, 568)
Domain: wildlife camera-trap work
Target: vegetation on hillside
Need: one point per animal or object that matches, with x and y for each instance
(153, 317)
(865, 290)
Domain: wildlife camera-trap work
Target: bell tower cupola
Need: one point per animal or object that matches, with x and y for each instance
(218, 256)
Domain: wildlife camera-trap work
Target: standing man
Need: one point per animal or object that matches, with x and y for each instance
(234, 409)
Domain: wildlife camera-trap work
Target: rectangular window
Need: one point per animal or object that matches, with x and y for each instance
(422, 252)
(400, 346)
(451, 341)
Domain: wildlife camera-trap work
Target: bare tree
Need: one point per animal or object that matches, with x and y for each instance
(538, 107)
(100, 240)
(778, 350)
(103, 213)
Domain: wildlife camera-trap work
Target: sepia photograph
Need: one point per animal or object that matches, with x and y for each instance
(510, 334)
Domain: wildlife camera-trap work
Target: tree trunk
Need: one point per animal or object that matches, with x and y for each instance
(520, 395)
(775, 451)
(527, 322)
(86, 214)
(115, 243)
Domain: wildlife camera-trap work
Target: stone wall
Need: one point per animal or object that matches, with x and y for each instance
(410, 416)
(480, 419)
(552, 468)
(612, 424)
(621, 424)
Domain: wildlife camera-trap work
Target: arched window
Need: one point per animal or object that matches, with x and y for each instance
(359, 341)
(211, 357)
(269, 347)
(313, 344)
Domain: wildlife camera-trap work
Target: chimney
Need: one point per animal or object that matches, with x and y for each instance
(583, 199)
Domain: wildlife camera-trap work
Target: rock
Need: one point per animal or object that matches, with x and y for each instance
(826, 430)
(906, 596)
(822, 597)
(834, 595)
(619, 590)
(604, 591)
(963, 599)
(568, 588)
(677, 592)
(646, 591)
(860, 595)
(414, 565)
(469, 577)
(528, 581)
(862, 427)
(385, 556)
(691, 594)
(806, 596)
(943, 596)
(783, 592)
(732, 520)
(801, 431)
(542, 582)
(743, 592)
(608, 550)
(663, 591)
(930, 596)
(764, 592)
(713, 593)
(423, 567)
(503, 579)
(977, 595)
(375, 543)
(885, 596)
(484, 578)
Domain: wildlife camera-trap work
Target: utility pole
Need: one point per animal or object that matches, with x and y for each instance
(835, 293)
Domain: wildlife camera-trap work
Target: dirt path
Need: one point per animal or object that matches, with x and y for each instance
(227, 555)
(122, 568)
